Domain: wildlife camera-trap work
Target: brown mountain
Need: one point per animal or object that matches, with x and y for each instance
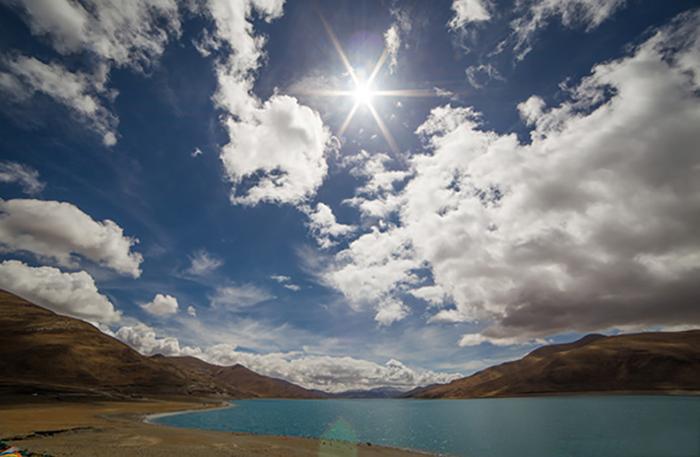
(249, 382)
(42, 351)
(665, 362)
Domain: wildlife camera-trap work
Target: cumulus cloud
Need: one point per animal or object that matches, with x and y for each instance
(323, 225)
(376, 197)
(24, 175)
(60, 231)
(332, 374)
(71, 294)
(161, 305)
(202, 263)
(373, 270)
(128, 34)
(469, 11)
(276, 149)
(145, 340)
(279, 147)
(191, 311)
(536, 14)
(239, 296)
(588, 226)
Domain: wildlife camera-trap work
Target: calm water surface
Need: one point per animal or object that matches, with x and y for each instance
(611, 426)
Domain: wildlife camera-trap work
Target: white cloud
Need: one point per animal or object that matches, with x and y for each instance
(468, 11)
(144, 339)
(72, 294)
(286, 282)
(392, 43)
(82, 93)
(191, 311)
(376, 197)
(589, 226)
(59, 231)
(334, 374)
(24, 175)
(130, 33)
(203, 263)
(537, 14)
(324, 227)
(280, 278)
(279, 146)
(393, 35)
(372, 270)
(126, 34)
(276, 149)
(161, 305)
(239, 296)
(480, 75)
(196, 152)
(476, 339)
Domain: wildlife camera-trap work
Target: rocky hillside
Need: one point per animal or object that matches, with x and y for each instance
(42, 351)
(664, 362)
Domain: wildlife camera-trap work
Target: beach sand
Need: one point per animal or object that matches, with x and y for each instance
(116, 428)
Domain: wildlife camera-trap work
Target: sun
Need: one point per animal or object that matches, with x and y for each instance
(363, 94)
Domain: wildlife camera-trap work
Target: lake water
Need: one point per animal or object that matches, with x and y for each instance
(609, 426)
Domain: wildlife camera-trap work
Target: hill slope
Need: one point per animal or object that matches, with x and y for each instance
(644, 362)
(249, 382)
(43, 351)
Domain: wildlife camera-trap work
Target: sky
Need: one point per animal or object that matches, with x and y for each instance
(352, 194)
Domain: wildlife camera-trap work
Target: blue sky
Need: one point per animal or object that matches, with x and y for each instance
(535, 180)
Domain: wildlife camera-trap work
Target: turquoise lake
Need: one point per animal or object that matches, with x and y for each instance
(606, 426)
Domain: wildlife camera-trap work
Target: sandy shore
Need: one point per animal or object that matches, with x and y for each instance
(117, 428)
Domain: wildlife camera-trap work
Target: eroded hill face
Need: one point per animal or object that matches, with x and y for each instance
(42, 351)
(645, 362)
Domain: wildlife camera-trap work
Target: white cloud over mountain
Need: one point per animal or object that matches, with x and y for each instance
(60, 231)
(72, 294)
(333, 374)
(589, 226)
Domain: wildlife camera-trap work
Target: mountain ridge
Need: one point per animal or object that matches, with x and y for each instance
(651, 362)
(43, 351)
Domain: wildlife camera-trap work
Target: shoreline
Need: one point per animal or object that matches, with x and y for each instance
(104, 428)
(150, 418)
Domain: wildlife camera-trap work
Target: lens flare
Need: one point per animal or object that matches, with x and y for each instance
(363, 94)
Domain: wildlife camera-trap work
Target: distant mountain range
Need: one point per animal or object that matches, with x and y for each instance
(663, 362)
(43, 352)
(379, 392)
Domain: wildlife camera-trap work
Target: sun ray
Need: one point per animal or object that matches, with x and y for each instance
(378, 66)
(405, 93)
(385, 131)
(348, 118)
(363, 92)
(339, 50)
